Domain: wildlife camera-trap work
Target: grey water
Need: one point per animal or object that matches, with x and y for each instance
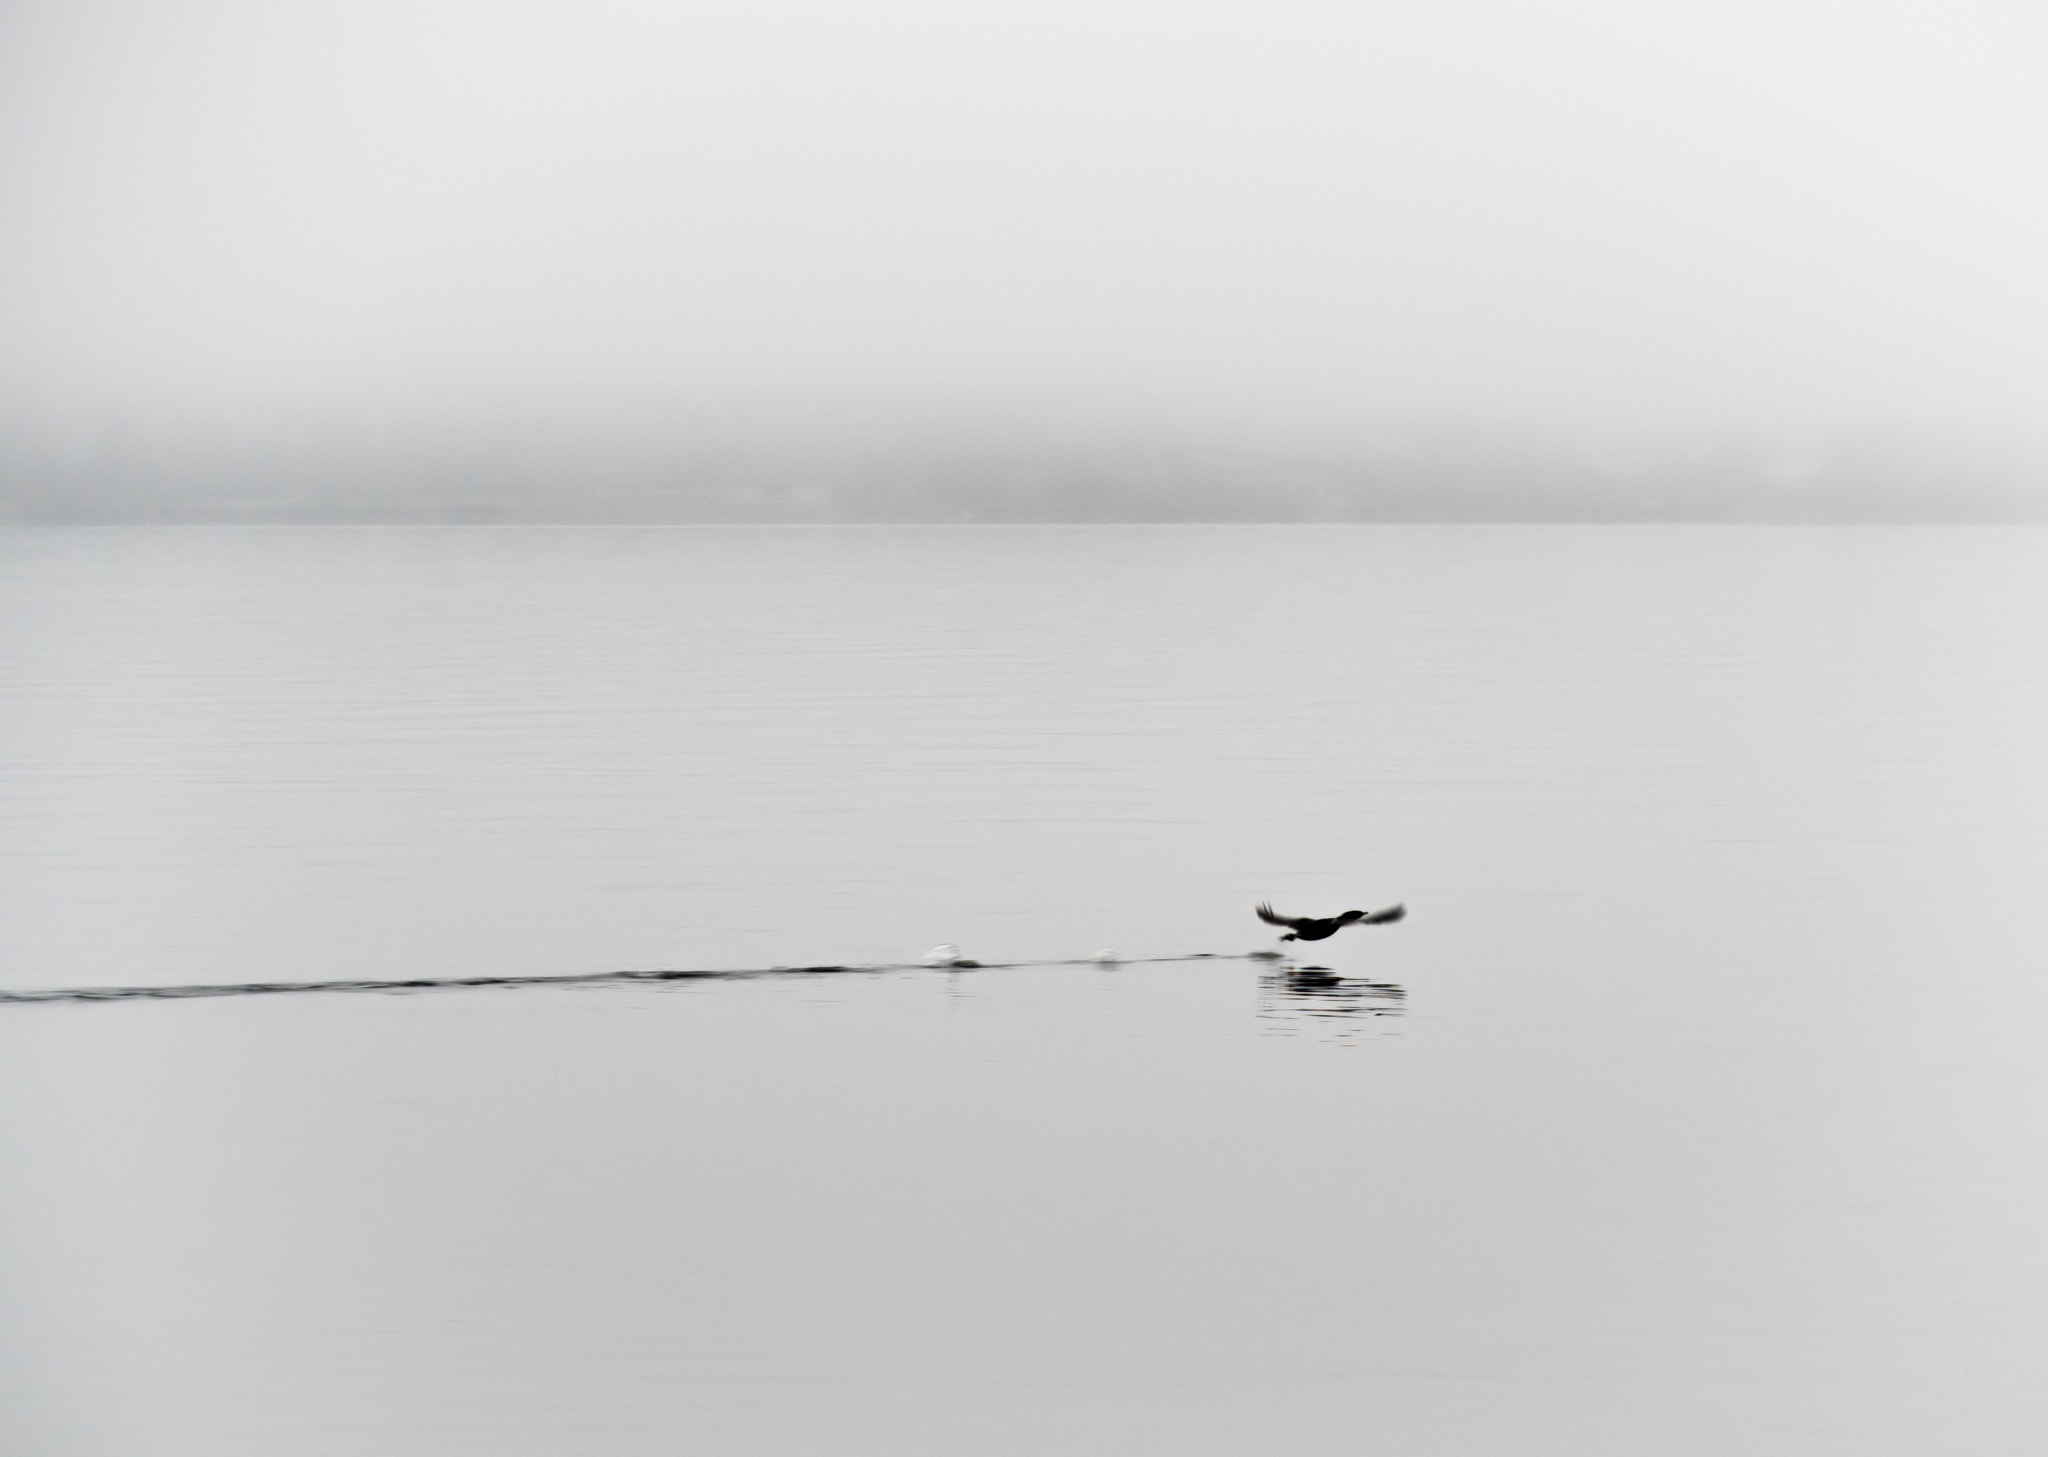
(1697, 1107)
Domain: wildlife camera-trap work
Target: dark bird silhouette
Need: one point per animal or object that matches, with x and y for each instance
(1319, 928)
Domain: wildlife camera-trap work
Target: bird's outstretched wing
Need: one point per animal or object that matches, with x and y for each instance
(1380, 918)
(1273, 918)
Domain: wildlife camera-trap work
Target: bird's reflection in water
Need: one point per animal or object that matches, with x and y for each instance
(1291, 997)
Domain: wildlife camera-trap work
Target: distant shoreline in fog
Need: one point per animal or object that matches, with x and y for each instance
(817, 483)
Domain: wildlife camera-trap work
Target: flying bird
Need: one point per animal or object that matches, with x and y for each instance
(1319, 928)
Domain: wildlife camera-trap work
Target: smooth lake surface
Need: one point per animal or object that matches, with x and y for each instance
(1699, 1107)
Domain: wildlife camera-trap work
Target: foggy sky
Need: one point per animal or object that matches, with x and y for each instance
(652, 229)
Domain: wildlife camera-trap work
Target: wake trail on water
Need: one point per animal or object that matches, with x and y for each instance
(588, 978)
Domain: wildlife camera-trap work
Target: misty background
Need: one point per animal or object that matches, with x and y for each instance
(1121, 260)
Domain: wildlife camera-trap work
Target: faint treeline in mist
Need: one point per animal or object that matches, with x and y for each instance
(1445, 476)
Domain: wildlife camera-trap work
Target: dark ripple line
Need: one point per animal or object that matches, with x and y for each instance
(585, 978)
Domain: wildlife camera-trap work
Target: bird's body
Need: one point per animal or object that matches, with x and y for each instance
(1321, 928)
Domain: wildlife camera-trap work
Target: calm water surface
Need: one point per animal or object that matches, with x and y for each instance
(1698, 1108)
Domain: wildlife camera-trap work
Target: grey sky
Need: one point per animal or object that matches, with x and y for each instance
(1282, 220)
